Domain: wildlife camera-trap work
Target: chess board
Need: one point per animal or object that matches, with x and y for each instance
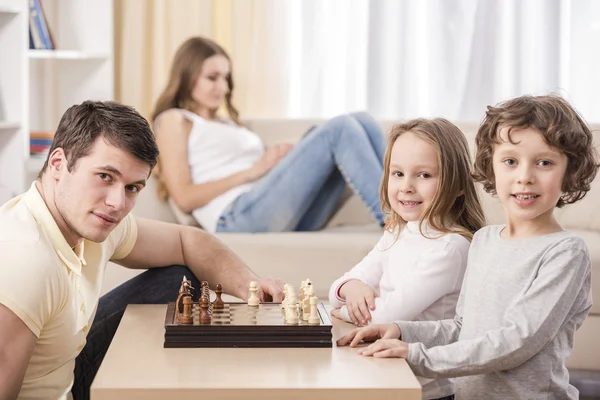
(239, 325)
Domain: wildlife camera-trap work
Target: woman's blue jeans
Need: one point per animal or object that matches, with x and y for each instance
(302, 192)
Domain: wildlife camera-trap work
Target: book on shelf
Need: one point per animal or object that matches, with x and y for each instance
(39, 32)
(40, 142)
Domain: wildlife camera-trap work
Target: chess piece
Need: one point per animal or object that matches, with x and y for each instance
(301, 295)
(218, 303)
(184, 290)
(204, 314)
(186, 318)
(286, 289)
(309, 292)
(204, 291)
(313, 318)
(253, 300)
(291, 314)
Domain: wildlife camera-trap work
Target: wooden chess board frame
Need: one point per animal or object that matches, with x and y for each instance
(247, 335)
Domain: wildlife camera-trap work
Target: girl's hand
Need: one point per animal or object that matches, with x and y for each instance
(336, 313)
(360, 301)
(370, 334)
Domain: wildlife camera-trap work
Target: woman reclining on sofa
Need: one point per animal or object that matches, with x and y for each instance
(221, 172)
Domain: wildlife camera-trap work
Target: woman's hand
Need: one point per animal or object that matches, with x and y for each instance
(360, 301)
(283, 148)
(269, 159)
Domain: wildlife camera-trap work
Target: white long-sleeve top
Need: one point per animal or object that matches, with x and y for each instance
(416, 278)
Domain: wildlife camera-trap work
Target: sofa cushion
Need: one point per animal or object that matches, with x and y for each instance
(592, 239)
(295, 256)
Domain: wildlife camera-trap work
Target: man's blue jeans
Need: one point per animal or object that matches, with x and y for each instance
(301, 193)
(155, 286)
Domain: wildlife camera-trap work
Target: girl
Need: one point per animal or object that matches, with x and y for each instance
(416, 269)
(221, 172)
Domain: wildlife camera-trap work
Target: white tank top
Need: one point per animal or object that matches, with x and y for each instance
(217, 150)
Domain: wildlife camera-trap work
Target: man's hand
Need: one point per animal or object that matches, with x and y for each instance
(270, 289)
(360, 301)
(386, 348)
(370, 334)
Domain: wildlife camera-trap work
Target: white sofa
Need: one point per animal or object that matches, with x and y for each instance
(325, 255)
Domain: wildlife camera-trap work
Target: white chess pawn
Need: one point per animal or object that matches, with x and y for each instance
(313, 318)
(253, 300)
(291, 315)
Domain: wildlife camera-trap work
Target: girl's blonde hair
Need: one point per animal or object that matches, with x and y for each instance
(455, 207)
(185, 69)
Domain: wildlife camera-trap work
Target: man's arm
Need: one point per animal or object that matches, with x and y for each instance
(16, 345)
(161, 244)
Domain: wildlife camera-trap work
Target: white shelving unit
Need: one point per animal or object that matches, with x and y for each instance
(13, 101)
(37, 86)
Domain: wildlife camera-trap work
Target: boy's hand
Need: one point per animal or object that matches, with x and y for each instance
(386, 348)
(360, 301)
(370, 334)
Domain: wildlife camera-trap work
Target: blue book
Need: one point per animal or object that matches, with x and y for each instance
(40, 27)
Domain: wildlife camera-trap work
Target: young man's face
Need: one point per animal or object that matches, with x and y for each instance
(414, 174)
(528, 175)
(98, 192)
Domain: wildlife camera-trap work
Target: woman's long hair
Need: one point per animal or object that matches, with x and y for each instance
(185, 69)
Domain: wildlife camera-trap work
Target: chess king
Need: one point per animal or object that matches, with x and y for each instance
(57, 238)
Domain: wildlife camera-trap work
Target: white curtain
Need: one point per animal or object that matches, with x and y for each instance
(406, 58)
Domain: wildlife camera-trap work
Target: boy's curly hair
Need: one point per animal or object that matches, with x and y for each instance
(560, 126)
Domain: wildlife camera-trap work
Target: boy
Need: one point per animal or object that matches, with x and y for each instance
(527, 288)
(55, 242)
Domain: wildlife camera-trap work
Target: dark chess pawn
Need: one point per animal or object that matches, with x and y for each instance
(218, 303)
(205, 317)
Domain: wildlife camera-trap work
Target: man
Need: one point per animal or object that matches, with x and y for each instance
(56, 240)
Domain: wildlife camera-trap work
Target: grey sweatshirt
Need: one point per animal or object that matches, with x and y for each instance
(520, 305)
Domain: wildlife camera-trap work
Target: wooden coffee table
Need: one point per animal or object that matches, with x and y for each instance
(138, 367)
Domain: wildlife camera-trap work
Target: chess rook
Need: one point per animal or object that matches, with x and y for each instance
(186, 318)
(313, 317)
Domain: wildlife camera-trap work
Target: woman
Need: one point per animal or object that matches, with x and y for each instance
(222, 173)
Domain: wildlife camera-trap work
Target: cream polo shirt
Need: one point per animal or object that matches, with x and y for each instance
(53, 288)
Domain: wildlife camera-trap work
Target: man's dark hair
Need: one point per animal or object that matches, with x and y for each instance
(120, 125)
